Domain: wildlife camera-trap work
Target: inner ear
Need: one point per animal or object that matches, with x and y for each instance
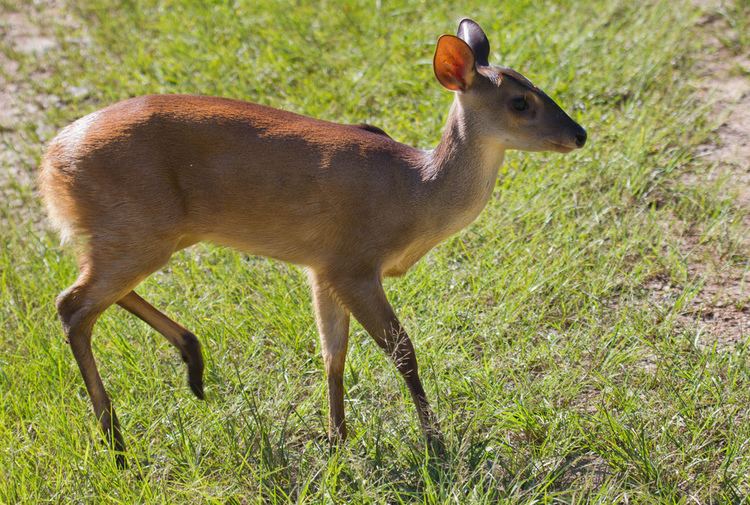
(454, 63)
(470, 32)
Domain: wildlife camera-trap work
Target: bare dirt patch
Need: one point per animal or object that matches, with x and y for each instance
(26, 44)
(21, 42)
(721, 308)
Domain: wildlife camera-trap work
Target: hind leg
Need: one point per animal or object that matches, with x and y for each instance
(79, 309)
(103, 280)
(175, 333)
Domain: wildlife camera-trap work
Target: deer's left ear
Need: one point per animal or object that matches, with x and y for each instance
(454, 63)
(470, 32)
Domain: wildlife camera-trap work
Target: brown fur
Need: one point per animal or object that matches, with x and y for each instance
(148, 176)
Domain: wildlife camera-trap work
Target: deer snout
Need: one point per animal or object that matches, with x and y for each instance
(572, 137)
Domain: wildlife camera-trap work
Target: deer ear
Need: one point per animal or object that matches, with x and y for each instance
(470, 32)
(454, 63)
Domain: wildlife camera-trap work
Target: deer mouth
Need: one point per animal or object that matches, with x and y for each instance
(560, 147)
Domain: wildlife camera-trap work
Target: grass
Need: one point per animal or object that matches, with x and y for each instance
(557, 374)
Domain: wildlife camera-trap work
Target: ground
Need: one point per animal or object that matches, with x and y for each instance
(721, 305)
(584, 341)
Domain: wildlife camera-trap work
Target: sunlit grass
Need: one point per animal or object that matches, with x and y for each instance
(555, 374)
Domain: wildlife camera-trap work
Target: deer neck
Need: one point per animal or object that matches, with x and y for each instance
(460, 173)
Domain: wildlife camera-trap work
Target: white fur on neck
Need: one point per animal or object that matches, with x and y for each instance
(461, 171)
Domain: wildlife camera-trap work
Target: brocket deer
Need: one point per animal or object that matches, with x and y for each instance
(137, 181)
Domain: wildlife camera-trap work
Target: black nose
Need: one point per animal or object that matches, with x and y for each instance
(581, 137)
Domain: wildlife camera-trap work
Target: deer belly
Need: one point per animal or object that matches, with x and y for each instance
(400, 263)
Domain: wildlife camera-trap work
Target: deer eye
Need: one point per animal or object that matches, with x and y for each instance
(519, 103)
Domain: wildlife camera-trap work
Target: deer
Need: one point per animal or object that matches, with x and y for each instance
(137, 181)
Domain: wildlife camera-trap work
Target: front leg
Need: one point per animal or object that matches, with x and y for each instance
(333, 326)
(363, 295)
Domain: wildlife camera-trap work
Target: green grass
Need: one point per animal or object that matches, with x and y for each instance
(556, 374)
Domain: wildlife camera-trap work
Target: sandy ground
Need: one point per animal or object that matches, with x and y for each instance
(22, 108)
(721, 309)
